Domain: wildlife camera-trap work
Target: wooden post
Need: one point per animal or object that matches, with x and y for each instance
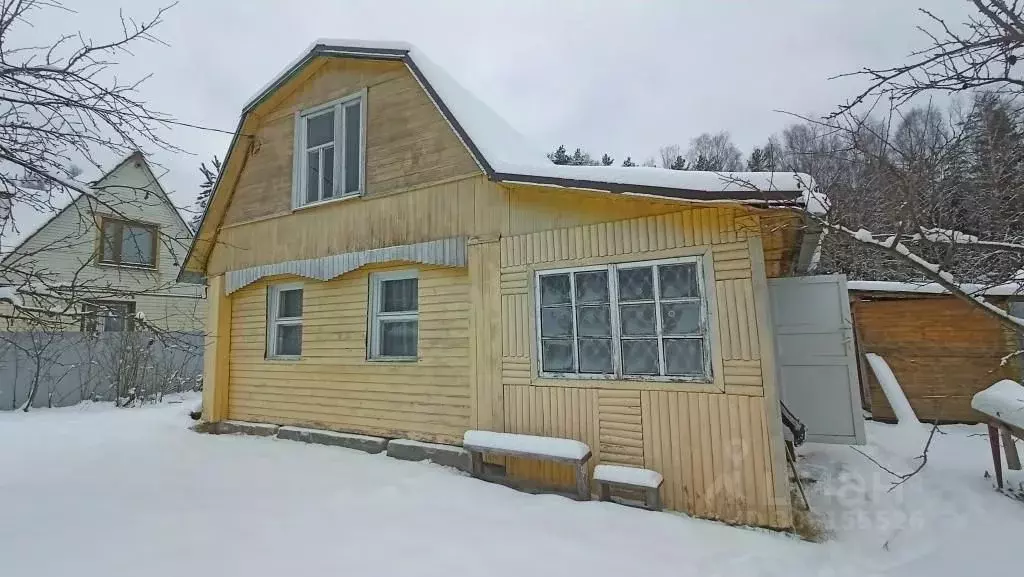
(1010, 448)
(993, 440)
(217, 351)
(476, 459)
(654, 498)
(604, 492)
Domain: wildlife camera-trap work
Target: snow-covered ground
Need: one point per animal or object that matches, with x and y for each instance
(95, 491)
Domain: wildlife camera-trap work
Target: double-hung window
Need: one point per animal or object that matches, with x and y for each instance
(644, 320)
(329, 151)
(394, 315)
(284, 321)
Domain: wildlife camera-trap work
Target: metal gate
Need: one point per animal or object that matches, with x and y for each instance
(816, 357)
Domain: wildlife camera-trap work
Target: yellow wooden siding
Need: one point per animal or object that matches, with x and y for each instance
(334, 386)
(408, 142)
(471, 206)
(551, 412)
(711, 442)
(713, 451)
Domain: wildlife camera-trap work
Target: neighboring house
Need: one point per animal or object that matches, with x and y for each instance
(941, 349)
(385, 255)
(107, 259)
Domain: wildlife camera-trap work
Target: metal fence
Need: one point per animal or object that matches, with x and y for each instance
(67, 368)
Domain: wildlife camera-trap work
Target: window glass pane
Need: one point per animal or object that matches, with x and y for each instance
(352, 145)
(110, 239)
(556, 322)
(398, 338)
(684, 356)
(680, 318)
(136, 245)
(327, 168)
(592, 287)
(678, 281)
(399, 295)
(636, 284)
(557, 355)
(595, 355)
(319, 129)
(313, 176)
(554, 289)
(594, 321)
(640, 357)
(289, 340)
(289, 303)
(637, 320)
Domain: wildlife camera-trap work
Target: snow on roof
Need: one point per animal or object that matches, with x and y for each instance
(508, 156)
(1003, 400)
(1007, 289)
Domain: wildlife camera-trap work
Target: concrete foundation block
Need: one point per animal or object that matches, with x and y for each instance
(446, 455)
(246, 428)
(363, 443)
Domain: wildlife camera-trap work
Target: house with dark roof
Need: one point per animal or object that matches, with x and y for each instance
(386, 256)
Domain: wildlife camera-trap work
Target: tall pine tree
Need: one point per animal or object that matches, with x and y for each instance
(205, 189)
(607, 160)
(628, 162)
(559, 156)
(679, 163)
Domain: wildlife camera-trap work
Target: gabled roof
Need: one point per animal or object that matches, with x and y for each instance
(505, 155)
(76, 188)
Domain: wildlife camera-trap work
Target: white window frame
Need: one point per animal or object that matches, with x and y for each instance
(377, 280)
(299, 172)
(617, 338)
(274, 321)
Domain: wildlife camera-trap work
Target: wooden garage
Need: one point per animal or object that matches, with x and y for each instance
(941, 349)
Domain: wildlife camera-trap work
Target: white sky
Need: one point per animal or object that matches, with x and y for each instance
(620, 77)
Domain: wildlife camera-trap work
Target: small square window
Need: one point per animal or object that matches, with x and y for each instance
(284, 321)
(126, 243)
(394, 315)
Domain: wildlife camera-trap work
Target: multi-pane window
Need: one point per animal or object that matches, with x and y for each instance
(284, 321)
(108, 316)
(635, 320)
(394, 322)
(127, 243)
(329, 151)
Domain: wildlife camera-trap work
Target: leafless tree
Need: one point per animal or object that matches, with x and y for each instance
(714, 152)
(668, 155)
(980, 53)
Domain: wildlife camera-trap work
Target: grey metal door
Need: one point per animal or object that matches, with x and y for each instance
(816, 357)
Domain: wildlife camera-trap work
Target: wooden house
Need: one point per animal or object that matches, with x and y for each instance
(385, 255)
(941, 349)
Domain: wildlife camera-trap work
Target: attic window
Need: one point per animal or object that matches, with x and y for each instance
(329, 154)
(125, 243)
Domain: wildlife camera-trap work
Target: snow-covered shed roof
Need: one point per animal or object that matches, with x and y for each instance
(507, 156)
(932, 288)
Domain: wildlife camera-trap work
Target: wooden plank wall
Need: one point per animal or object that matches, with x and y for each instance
(465, 207)
(710, 441)
(334, 386)
(408, 142)
(941, 350)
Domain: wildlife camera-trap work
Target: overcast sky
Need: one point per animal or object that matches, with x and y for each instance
(620, 77)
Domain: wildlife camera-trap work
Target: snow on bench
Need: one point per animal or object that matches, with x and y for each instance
(531, 447)
(628, 476)
(1004, 401)
(525, 445)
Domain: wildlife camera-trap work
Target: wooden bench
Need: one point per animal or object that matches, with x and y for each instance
(1003, 406)
(646, 480)
(480, 443)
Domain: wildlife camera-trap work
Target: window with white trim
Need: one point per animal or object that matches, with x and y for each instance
(394, 315)
(284, 321)
(329, 143)
(643, 320)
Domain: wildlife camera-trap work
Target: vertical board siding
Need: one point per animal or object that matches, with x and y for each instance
(712, 447)
(551, 412)
(334, 386)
